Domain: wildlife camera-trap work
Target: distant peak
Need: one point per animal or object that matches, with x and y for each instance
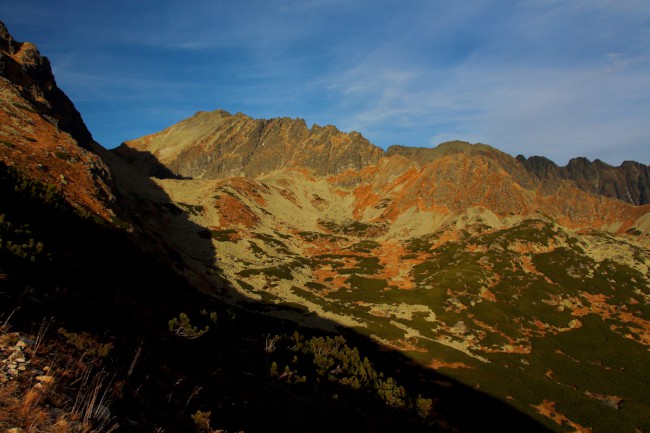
(579, 160)
(218, 144)
(222, 114)
(219, 112)
(423, 155)
(628, 182)
(464, 146)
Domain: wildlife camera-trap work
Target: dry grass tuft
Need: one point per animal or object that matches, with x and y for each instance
(34, 398)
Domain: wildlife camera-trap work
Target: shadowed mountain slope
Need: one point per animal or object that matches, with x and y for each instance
(630, 182)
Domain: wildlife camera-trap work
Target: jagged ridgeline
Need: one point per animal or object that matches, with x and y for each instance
(212, 145)
(217, 144)
(244, 274)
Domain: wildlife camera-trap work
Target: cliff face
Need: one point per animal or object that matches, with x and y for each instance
(22, 64)
(43, 134)
(218, 144)
(629, 182)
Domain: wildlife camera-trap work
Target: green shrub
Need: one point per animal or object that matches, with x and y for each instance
(86, 343)
(24, 107)
(182, 327)
(222, 235)
(62, 155)
(333, 359)
(202, 421)
(192, 209)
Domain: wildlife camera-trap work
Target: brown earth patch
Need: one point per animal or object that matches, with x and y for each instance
(246, 189)
(436, 364)
(402, 344)
(234, 213)
(395, 269)
(486, 294)
(547, 409)
(364, 198)
(609, 400)
(289, 195)
(515, 345)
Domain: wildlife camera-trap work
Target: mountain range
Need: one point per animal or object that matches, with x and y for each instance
(216, 145)
(494, 293)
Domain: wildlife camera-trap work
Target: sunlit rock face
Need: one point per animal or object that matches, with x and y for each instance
(43, 134)
(218, 144)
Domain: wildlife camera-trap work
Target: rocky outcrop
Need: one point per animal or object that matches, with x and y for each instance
(217, 144)
(630, 182)
(22, 64)
(43, 133)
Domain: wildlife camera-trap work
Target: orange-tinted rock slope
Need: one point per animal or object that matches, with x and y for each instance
(42, 133)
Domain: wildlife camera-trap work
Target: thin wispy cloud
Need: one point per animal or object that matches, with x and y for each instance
(558, 78)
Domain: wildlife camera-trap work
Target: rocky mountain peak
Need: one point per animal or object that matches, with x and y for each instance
(218, 144)
(422, 155)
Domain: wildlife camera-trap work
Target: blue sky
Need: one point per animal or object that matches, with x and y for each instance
(559, 78)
